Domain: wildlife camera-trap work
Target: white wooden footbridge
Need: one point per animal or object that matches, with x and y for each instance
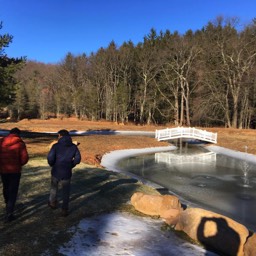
(185, 132)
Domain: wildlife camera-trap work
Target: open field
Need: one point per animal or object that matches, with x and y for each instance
(94, 146)
(39, 230)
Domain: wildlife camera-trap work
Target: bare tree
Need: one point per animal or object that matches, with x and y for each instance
(148, 68)
(234, 58)
(179, 73)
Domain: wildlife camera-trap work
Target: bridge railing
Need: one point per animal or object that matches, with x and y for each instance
(185, 132)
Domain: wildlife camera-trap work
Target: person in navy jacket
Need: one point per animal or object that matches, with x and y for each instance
(62, 157)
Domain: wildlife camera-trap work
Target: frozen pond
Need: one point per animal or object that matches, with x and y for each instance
(213, 181)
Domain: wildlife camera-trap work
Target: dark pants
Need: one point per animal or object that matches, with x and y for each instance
(65, 185)
(11, 182)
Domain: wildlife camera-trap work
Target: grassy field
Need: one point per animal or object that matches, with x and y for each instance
(38, 229)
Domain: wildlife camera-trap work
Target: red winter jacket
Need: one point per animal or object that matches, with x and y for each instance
(13, 154)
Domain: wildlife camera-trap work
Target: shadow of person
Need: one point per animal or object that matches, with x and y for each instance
(215, 234)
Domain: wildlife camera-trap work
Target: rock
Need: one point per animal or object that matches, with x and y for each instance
(171, 216)
(213, 230)
(167, 207)
(250, 246)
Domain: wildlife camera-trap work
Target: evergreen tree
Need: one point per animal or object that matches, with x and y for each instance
(8, 66)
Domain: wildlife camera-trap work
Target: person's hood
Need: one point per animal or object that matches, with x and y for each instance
(11, 140)
(66, 140)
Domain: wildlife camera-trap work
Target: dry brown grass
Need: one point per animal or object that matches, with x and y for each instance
(93, 147)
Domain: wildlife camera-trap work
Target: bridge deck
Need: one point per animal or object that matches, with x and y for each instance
(184, 132)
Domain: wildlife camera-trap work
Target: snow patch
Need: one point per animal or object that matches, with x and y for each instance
(122, 233)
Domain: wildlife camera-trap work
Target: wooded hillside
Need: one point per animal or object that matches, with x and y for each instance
(202, 78)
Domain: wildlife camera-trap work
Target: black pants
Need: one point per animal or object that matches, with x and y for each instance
(11, 182)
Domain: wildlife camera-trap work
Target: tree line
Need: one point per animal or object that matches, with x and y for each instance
(201, 78)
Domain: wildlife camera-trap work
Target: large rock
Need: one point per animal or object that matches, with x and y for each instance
(250, 246)
(213, 230)
(167, 207)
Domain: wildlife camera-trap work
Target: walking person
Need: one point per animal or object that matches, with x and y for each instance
(62, 157)
(13, 155)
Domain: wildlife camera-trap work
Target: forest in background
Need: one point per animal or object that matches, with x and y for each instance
(202, 78)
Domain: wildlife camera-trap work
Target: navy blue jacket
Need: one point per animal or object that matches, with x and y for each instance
(63, 156)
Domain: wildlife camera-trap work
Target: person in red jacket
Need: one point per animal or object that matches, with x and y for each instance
(13, 155)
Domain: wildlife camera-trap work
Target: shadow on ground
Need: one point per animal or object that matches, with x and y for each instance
(39, 228)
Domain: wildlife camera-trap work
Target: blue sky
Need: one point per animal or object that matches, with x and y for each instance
(46, 30)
